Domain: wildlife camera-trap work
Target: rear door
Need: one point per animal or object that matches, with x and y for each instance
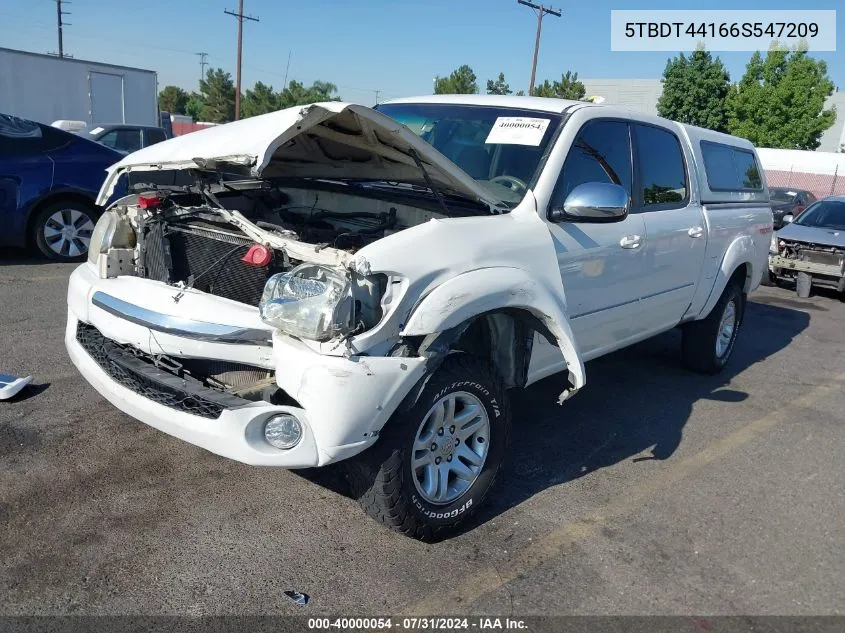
(674, 223)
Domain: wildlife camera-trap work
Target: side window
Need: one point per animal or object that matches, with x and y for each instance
(154, 136)
(730, 168)
(128, 140)
(122, 140)
(600, 153)
(746, 169)
(108, 139)
(662, 174)
(19, 137)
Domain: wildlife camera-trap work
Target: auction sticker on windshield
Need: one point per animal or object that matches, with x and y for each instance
(517, 130)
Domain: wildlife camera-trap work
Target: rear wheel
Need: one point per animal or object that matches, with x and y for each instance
(707, 344)
(62, 231)
(437, 460)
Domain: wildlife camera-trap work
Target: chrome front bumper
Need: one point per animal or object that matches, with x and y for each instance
(343, 401)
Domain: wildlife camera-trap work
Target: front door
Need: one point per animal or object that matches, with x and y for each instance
(601, 265)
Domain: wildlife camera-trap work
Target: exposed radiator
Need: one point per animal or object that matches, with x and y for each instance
(212, 257)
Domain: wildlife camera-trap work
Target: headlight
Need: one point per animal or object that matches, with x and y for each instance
(773, 245)
(111, 231)
(310, 301)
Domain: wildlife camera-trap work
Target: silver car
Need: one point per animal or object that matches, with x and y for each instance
(811, 249)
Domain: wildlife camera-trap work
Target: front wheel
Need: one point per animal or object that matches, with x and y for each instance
(707, 344)
(437, 460)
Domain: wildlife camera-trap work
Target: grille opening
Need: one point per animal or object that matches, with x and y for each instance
(156, 378)
(207, 257)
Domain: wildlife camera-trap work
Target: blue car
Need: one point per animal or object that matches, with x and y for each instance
(49, 180)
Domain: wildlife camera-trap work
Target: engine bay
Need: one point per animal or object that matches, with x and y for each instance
(228, 242)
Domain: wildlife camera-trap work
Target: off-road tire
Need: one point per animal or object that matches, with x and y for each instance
(381, 478)
(699, 337)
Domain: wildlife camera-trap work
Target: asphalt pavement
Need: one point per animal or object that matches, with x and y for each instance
(653, 491)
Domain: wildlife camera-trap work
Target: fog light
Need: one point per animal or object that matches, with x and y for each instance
(283, 431)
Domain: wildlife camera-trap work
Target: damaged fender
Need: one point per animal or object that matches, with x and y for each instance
(741, 251)
(479, 291)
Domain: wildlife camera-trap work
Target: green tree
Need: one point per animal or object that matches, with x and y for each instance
(694, 90)
(297, 93)
(461, 82)
(218, 96)
(260, 100)
(193, 107)
(779, 102)
(498, 87)
(567, 88)
(172, 99)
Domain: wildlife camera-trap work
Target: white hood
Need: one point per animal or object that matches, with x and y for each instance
(330, 140)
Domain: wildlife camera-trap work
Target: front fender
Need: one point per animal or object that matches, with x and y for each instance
(479, 291)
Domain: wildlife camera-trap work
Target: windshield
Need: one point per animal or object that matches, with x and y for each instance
(827, 214)
(781, 195)
(500, 148)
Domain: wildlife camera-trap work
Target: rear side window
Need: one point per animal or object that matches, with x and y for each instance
(600, 153)
(20, 137)
(662, 172)
(730, 168)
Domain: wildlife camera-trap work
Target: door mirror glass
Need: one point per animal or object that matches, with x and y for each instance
(788, 218)
(593, 202)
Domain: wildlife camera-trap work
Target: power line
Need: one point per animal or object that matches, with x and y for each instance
(203, 64)
(59, 24)
(541, 11)
(241, 17)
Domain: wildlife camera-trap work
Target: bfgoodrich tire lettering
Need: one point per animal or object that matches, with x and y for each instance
(383, 478)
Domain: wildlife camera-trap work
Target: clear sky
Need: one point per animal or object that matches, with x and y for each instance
(395, 46)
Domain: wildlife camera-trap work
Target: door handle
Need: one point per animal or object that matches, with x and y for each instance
(695, 231)
(630, 241)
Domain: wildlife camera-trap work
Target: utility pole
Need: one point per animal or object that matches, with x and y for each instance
(541, 11)
(60, 24)
(287, 68)
(378, 92)
(241, 17)
(203, 64)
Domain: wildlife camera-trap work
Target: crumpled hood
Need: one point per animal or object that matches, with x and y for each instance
(329, 140)
(812, 235)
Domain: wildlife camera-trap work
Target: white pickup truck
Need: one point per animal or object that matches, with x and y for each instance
(335, 282)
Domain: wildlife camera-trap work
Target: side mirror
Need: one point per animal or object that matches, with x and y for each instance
(788, 218)
(593, 202)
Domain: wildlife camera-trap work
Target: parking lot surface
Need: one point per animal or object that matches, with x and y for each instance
(653, 491)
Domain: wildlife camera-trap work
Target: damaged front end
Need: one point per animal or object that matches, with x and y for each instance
(824, 263)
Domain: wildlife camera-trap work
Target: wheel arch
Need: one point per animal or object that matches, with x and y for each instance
(497, 311)
(737, 266)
